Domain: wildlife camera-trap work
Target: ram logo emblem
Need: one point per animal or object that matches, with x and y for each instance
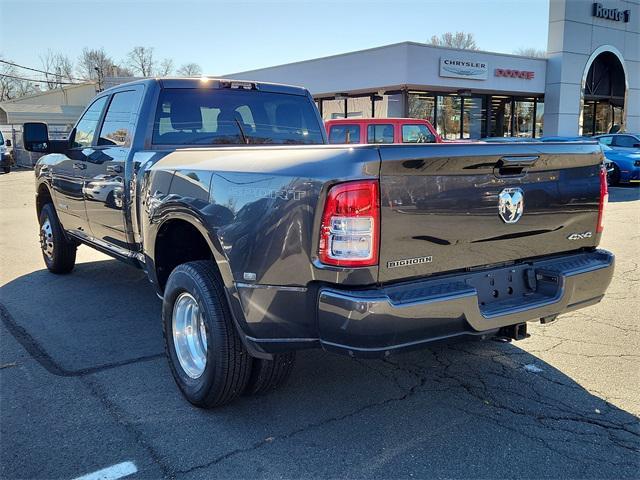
(511, 204)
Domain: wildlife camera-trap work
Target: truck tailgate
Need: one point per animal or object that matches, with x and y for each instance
(440, 204)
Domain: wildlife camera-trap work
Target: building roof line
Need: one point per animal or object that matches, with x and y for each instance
(381, 47)
(47, 92)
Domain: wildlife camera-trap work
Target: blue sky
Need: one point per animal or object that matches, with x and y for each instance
(225, 37)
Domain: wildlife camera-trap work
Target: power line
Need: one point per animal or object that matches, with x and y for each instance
(36, 80)
(40, 71)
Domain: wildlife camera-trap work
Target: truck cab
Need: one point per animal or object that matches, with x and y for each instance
(381, 130)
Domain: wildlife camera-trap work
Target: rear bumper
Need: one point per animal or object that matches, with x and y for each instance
(375, 322)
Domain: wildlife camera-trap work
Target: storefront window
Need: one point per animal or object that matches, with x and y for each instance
(359, 107)
(333, 109)
(389, 106)
(422, 106)
(500, 125)
(523, 118)
(604, 118)
(448, 115)
(539, 118)
(473, 117)
(587, 118)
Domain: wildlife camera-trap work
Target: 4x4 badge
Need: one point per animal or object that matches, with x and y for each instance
(511, 204)
(579, 236)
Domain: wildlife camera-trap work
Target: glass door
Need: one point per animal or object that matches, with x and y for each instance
(500, 125)
(449, 117)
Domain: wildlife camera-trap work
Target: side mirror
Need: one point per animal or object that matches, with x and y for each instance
(7, 143)
(35, 137)
(635, 145)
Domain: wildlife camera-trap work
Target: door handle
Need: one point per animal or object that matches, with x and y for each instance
(114, 168)
(79, 166)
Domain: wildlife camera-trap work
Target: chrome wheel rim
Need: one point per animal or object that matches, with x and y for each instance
(46, 239)
(189, 335)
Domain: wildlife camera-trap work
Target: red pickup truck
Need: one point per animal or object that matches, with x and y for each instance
(381, 130)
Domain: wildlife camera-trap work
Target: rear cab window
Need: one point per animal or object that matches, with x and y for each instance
(344, 134)
(417, 133)
(186, 116)
(380, 133)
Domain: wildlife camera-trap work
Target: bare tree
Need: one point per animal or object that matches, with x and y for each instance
(141, 61)
(166, 67)
(94, 63)
(7, 84)
(531, 52)
(58, 68)
(11, 86)
(461, 40)
(190, 70)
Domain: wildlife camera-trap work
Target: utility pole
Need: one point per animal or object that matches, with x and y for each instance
(99, 73)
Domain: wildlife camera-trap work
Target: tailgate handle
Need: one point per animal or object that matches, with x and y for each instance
(518, 161)
(513, 166)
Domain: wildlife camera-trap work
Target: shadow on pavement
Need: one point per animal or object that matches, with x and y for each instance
(486, 409)
(624, 193)
(102, 313)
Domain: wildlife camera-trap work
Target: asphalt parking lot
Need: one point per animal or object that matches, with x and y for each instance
(84, 385)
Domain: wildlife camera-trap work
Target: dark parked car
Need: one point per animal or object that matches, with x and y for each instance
(6, 158)
(261, 239)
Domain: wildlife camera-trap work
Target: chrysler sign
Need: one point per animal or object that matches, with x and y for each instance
(457, 68)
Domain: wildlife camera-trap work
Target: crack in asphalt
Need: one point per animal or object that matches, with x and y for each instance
(46, 361)
(40, 355)
(449, 380)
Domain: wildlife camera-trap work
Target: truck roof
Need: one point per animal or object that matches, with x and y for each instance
(214, 82)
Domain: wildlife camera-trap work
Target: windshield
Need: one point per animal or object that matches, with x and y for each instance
(225, 116)
(1, 139)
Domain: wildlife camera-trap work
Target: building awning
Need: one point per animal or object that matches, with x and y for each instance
(18, 113)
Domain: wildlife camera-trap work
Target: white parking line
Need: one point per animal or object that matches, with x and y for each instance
(113, 472)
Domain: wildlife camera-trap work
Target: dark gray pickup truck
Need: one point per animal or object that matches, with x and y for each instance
(262, 240)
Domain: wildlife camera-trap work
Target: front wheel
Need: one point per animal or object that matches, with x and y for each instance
(7, 169)
(58, 251)
(614, 175)
(207, 358)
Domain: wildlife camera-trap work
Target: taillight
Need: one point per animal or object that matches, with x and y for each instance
(604, 198)
(350, 229)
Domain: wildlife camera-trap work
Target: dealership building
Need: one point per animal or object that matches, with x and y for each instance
(589, 82)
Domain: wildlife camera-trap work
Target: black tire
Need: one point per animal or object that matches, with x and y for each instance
(110, 200)
(268, 375)
(6, 169)
(58, 252)
(614, 176)
(228, 364)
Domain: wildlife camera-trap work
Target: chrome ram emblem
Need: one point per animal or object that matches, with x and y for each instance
(511, 204)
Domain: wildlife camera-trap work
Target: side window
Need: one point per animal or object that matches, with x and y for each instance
(626, 141)
(382, 133)
(605, 141)
(116, 129)
(86, 127)
(417, 134)
(344, 134)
